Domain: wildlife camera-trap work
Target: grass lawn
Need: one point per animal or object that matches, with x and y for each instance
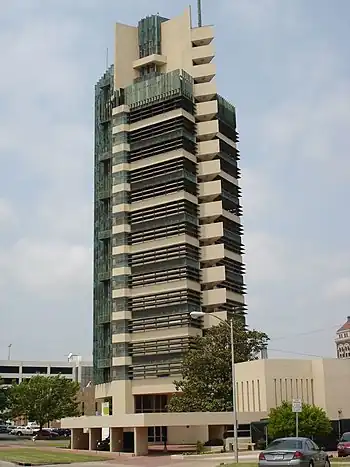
(37, 456)
(59, 443)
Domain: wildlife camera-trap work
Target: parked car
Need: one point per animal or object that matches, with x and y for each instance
(284, 452)
(103, 445)
(343, 446)
(15, 430)
(4, 429)
(44, 434)
(25, 430)
(62, 432)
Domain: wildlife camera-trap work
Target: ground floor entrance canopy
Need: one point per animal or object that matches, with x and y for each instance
(161, 419)
(87, 430)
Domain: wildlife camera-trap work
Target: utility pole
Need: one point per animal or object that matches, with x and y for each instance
(234, 406)
(9, 352)
(199, 11)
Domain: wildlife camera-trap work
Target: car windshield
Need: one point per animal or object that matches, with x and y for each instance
(281, 444)
(345, 437)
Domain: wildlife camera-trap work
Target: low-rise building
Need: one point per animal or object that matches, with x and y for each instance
(15, 371)
(265, 384)
(260, 386)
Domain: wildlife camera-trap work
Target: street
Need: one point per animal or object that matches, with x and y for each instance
(11, 439)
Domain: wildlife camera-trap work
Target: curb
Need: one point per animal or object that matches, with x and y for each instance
(28, 464)
(224, 456)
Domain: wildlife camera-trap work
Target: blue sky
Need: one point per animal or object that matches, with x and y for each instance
(283, 63)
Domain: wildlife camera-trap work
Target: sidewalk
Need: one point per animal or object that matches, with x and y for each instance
(248, 456)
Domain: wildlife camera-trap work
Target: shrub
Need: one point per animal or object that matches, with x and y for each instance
(199, 447)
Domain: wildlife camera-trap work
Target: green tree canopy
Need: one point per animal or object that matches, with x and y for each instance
(3, 399)
(206, 384)
(313, 421)
(43, 399)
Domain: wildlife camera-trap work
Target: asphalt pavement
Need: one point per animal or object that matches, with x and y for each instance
(11, 439)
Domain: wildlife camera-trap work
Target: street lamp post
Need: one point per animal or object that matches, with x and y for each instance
(200, 314)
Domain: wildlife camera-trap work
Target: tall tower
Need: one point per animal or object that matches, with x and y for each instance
(167, 211)
(342, 341)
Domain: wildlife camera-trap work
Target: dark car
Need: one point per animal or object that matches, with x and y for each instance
(103, 445)
(44, 434)
(343, 446)
(298, 452)
(4, 429)
(62, 432)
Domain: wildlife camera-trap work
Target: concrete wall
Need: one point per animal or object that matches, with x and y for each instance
(264, 384)
(88, 403)
(331, 386)
(260, 386)
(187, 434)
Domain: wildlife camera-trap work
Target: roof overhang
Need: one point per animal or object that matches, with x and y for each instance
(160, 419)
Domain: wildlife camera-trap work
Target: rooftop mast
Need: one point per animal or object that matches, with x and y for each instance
(199, 10)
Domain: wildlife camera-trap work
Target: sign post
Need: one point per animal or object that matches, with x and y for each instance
(105, 413)
(297, 407)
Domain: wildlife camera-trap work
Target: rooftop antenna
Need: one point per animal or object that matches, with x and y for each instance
(107, 58)
(199, 10)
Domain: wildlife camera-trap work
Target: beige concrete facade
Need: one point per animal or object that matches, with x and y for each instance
(195, 263)
(261, 386)
(190, 50)
(264, 384)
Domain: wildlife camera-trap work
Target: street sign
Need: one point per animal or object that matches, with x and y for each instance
(297, 406)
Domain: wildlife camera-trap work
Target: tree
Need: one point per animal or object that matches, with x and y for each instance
(3, 399)
(42, 399)
(206, 384)
(313, 421)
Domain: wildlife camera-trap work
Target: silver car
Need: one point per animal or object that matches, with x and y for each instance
(301, 452)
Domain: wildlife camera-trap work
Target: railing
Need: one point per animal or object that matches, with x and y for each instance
(103, 362)
(158, 370)
(104, 313)
(104, 188)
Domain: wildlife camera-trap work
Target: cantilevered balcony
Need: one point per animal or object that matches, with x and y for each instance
(203, 54)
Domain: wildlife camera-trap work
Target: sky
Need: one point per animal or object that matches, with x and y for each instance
(283, 63)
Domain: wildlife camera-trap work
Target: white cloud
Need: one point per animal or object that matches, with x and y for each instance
(338, 289)
(7, 214)
(266, 258)
(314, 128)
(48, 268)
(259, 194)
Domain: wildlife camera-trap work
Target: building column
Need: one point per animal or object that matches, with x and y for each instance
(116, 439)
(79, 439)
(141, 441)
(95, 435)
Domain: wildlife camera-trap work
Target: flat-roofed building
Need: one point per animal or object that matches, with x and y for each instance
(260, 386)
(15, 371)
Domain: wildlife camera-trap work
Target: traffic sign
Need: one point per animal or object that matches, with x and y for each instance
(297, 406)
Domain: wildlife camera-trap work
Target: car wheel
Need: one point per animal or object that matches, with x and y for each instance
(19, 433)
